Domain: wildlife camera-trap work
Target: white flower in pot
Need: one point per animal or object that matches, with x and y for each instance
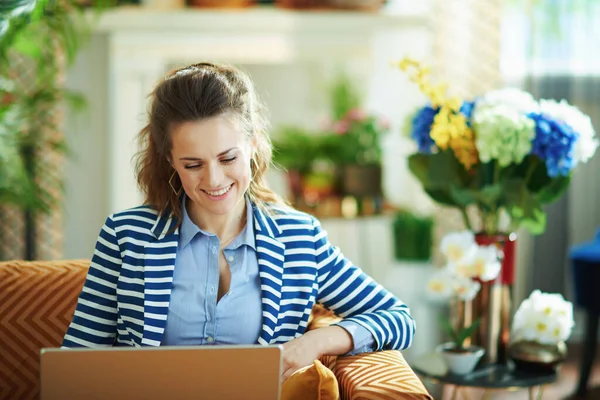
(468, 264)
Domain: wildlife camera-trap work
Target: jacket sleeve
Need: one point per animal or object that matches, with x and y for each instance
(94, 323)
(347, 291)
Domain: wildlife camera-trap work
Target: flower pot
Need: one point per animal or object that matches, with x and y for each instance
(361, 180)
(460, 362)
(537, 357)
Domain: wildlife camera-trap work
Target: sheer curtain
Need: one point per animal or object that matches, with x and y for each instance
(549, 47)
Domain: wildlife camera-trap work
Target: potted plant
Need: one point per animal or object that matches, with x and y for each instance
(38, 40)
(468, 265)
(460, 358)
(353, 141)
(311, 176)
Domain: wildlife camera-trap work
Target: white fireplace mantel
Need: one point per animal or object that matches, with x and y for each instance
(142, 44)
(289, 55)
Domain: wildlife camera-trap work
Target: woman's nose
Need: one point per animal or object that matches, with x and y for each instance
(215, 176)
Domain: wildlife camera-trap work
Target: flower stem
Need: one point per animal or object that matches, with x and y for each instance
(465, 216)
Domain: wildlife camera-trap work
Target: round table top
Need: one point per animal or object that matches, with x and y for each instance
(493, 376)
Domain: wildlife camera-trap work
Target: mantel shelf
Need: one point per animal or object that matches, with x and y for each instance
(260, 19)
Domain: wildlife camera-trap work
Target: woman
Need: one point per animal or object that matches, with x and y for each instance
(214, 256)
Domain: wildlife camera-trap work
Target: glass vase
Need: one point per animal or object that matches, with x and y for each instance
(493, 302)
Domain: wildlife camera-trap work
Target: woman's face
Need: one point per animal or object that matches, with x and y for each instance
(212, 158)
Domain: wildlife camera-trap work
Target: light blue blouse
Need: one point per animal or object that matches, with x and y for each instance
(195, 317)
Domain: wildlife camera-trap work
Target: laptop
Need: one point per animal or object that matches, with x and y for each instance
(172, 372)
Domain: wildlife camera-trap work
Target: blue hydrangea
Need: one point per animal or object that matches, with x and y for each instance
(554, 143)
(422, 122)
(466, 109)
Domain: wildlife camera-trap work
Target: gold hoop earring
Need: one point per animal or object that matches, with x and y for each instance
(177, 192)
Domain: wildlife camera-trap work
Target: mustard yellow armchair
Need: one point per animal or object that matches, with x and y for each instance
(37, 302)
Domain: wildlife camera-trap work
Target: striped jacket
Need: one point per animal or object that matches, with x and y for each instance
(125, 298)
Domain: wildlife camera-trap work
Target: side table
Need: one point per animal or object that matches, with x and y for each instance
(489, 378)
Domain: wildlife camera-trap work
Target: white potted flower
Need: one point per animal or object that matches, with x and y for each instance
(467, 264)
(541, 325)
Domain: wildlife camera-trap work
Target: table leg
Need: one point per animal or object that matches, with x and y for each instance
(540, 392)
(454, 392)
(589, 352)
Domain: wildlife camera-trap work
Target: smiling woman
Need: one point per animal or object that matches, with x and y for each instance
(213, 249)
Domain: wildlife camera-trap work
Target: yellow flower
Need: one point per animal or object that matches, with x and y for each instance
(449, 128)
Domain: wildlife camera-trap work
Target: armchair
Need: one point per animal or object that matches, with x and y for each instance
(37, 301)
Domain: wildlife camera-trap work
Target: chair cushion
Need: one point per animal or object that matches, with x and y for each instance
(382, 375)
(37, 302)
(314, 382)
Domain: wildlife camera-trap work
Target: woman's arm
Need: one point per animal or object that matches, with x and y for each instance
(94, 323)
(353, 295)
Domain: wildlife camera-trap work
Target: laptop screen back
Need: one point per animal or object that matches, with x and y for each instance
(203, 372)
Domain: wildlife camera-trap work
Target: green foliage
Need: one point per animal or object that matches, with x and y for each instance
(413, 236)
(344, 96)
(297, 149)
(459, 335)
(38, 40)
(521, 190)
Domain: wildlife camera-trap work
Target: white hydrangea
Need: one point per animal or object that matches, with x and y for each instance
(587, 142)
(513, 98)
(543, 317)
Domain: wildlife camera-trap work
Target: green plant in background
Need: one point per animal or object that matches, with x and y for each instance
(38, 40)
(458, 335)
(413, 236)
(354, 136)
(295, 148)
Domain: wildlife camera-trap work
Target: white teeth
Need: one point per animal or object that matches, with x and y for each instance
(220, 192)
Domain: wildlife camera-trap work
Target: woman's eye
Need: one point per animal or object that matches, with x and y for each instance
(193, 166)
(229, 160)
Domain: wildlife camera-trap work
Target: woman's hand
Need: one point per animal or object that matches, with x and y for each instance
(301, 352)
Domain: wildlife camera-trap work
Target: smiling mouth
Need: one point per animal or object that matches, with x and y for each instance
(218, 192)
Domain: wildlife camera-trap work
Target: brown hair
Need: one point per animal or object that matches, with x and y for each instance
(190, 94)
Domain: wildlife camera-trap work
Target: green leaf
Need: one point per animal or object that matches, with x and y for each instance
(14, 8)
(554, 190)
(442, 196)
(442, 177)
(523, 206)
(463, 197)
(467, 332)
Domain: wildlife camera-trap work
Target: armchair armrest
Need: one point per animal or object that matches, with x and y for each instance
(382, 375)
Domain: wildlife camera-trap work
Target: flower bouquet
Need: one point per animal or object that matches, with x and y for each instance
(542, 324)
(501, 153)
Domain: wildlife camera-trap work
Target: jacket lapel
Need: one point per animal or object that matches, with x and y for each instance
(270, 253)
(159, 263)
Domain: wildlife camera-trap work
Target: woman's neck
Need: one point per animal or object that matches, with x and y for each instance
(226, 226)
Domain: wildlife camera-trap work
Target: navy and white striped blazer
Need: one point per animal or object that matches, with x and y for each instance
(125, 298)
